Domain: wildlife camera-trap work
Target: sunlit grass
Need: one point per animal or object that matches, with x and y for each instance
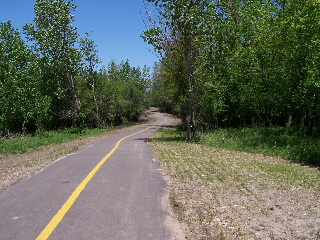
(204, 162)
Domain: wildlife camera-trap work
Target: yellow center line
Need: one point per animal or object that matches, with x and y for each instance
(47, 231)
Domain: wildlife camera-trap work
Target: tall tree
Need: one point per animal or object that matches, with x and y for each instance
(90, 60)
(239, 62)
(177, 32)
(54, 38)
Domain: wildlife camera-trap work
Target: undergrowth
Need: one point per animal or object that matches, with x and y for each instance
(283, 142)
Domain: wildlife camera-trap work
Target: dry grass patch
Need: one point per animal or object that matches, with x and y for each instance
(224, 194)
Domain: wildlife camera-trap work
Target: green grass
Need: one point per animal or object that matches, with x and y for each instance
(278, 141)
(283, 142)
(24, 143)
(199, 161)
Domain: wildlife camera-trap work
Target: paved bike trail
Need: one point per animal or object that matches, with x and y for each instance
(123, 200)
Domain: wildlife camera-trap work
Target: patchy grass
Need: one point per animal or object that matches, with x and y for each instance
(224, 194)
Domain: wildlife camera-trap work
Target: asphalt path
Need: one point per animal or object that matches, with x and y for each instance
(125, 198)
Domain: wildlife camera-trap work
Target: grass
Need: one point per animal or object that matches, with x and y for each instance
(217, 188)
(283, 142)
(26, 142)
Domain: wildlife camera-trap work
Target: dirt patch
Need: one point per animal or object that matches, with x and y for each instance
(223, 194)
(16, 167)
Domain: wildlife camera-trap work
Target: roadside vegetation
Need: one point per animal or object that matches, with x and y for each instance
(235, 63)
(18, 144)
(222, 192)
(284, 142)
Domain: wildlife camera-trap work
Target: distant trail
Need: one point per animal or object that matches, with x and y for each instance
(109, 190)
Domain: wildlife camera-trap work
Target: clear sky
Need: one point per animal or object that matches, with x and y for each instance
(115, 26)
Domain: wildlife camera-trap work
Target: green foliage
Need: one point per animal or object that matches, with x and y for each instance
(89, 83)
(22, 105)
(54, 38)
(119, 95)
(241, 63)
(54, 82)
(285, 142)
(178, 35)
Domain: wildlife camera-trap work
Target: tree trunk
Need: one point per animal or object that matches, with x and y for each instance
(191, 126)
(76, 99)
(95, 100)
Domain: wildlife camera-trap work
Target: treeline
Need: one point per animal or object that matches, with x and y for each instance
(49, 77)
(232, 63)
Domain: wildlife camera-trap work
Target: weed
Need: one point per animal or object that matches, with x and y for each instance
(240, 232)
(221, 178)
(201, 216)
(272, 236)
(222, 237)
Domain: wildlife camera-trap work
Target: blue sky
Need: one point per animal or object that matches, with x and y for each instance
(115, 26)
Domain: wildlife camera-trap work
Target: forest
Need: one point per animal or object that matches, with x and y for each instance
(237, 63)
(49, 77)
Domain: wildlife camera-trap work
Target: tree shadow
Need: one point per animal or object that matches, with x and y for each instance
(167, 139)
(172, 134)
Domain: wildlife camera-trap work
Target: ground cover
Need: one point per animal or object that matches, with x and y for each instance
(225, 194)
(286, 142)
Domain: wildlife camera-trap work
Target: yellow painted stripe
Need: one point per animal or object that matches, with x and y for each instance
(47, 231)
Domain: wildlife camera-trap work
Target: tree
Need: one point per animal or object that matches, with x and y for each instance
(22, 105)
(238, 63)
(177, 34)
(299, 45)
(54, 40)
(90, 60)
